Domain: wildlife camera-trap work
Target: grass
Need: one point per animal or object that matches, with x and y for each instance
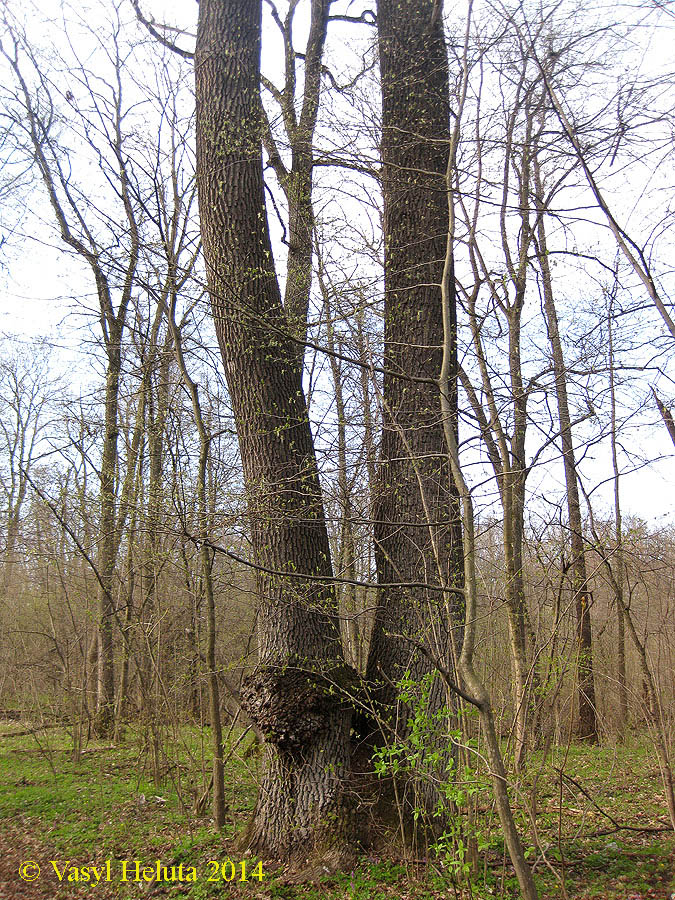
(108, 806)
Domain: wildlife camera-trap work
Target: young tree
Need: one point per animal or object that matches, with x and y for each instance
(78, 221)
(494, 374)
(587, 726)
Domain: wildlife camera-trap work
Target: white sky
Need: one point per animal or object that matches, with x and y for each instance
(40, 287)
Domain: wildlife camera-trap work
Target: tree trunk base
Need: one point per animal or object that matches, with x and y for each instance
(305, 815)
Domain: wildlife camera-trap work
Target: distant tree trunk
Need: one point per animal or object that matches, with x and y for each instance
(417, 532)
(346, 546)
(23, 394)
(206, 561)
(156, 383)
(105, 693)
(587, 727)
(128, 508)
(302, 805)
(618, 531)
(126, 630)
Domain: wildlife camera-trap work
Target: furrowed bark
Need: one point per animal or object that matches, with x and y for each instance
(416, 520)
(302, 803)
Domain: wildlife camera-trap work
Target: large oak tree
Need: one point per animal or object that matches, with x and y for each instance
(302, 797)
(302, 801)
(417, 534)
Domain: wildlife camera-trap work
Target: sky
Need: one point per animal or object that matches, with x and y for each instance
(42, 293)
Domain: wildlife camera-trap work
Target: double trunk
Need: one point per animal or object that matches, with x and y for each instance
(295, 695)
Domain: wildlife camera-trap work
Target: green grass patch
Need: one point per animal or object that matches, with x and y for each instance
(113, 804)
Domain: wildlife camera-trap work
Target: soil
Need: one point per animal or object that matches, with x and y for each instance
(19, 845)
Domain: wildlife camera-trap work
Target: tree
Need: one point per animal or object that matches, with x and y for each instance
(25, 394)
(587, 720)
(493, 374)
(416, 525)
(114, 287)
(474, 691)
(303, 801)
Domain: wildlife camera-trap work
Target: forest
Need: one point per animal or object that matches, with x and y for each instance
(337, 449)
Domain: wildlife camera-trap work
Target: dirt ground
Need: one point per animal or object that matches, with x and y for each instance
(17, 846)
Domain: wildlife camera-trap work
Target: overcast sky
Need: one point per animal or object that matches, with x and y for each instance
(43, 293)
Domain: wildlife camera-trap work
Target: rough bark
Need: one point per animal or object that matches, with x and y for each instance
(416, 522)
(302, 803)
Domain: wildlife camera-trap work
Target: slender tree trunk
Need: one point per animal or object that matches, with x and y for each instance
(128, 508)
(156, 381)
(618, 530)
(302, 805)
(587, 726)
(346, 555)
(504, 428)
(207, 573)
(126, 630)
(366, 599)
(515, 609)
(105, 695)
(519, 159)
(465, 665)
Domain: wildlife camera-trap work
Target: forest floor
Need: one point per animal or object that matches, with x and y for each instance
(101, 825)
